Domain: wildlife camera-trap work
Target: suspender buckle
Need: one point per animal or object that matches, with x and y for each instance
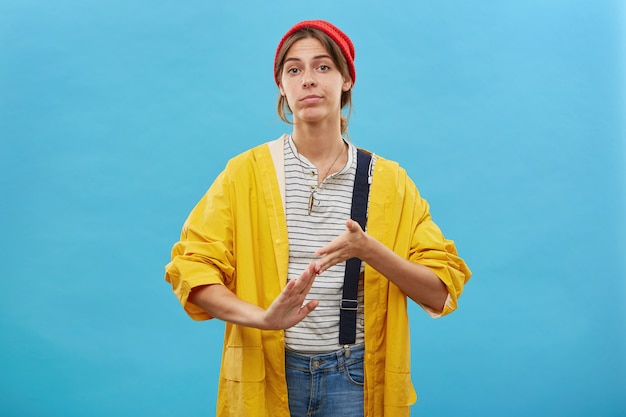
(351, 305)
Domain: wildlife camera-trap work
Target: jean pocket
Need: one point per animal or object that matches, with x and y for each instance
(354, 372)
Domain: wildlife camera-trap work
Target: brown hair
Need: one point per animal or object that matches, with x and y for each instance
(338, 59)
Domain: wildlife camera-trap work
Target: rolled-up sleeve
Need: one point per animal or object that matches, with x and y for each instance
(204, 253)
(431, 249)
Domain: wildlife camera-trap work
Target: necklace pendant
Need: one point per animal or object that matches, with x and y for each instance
(311, 201)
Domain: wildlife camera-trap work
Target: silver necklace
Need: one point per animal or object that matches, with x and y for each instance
(320, 179)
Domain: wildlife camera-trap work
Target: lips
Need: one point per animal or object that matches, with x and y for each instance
(310, 97)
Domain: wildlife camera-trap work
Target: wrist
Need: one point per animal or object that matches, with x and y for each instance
(368, 248)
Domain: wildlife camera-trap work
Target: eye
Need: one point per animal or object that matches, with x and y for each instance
(324, 67)
(293, 70)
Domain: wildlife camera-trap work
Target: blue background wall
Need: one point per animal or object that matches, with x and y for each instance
(116, 116)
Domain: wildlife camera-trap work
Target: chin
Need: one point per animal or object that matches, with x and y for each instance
(312, 117)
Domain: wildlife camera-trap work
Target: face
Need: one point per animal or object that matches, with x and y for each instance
(312, 83)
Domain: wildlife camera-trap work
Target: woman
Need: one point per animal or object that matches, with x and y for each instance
(267, 248)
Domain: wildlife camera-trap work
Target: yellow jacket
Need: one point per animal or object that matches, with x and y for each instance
(237, 236)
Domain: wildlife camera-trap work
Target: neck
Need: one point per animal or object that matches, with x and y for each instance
(317, 143)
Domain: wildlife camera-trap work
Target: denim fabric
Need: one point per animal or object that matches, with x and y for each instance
(327, 385)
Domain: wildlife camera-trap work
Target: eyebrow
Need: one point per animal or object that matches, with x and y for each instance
(315, 58)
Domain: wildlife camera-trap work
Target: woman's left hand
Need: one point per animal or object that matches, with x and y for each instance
(349, 244)
(417, 281)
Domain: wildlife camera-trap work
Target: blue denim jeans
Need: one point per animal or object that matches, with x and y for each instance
(326, 385)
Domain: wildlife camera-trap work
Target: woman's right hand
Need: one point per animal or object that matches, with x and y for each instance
(288, 309)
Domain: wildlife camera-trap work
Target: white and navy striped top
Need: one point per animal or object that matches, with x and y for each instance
(319, 331)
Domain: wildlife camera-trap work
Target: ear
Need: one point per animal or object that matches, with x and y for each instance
(347, 85)
(280, 88)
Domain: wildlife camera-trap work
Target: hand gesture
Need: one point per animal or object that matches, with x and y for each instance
(287, 309)
(349, 244)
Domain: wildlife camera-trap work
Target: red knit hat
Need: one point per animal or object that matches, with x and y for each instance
(341, 39)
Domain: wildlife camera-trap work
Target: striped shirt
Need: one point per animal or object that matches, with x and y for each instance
(319, 331)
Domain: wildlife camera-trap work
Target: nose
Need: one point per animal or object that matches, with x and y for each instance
(307, 79)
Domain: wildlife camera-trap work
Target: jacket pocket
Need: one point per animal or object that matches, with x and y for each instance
(244, 363)
(399, 391)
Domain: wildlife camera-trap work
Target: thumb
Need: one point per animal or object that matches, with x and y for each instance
(310, 306)
(352, 226)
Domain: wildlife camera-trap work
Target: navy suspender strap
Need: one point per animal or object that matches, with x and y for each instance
(349, 304)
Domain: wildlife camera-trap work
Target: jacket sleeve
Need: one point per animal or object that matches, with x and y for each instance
(430, 248)
(204, 253)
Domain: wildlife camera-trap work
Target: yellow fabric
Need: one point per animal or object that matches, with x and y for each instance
(237, 236)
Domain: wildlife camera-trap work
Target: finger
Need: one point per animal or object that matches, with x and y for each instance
(326, 262)
(290, 284)
(353, 226)
(306, 274)
(321, 251)
(310, 273)
(295, 285)
(333, 246)
(321, 266)
(305, 281)
(310, 306)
